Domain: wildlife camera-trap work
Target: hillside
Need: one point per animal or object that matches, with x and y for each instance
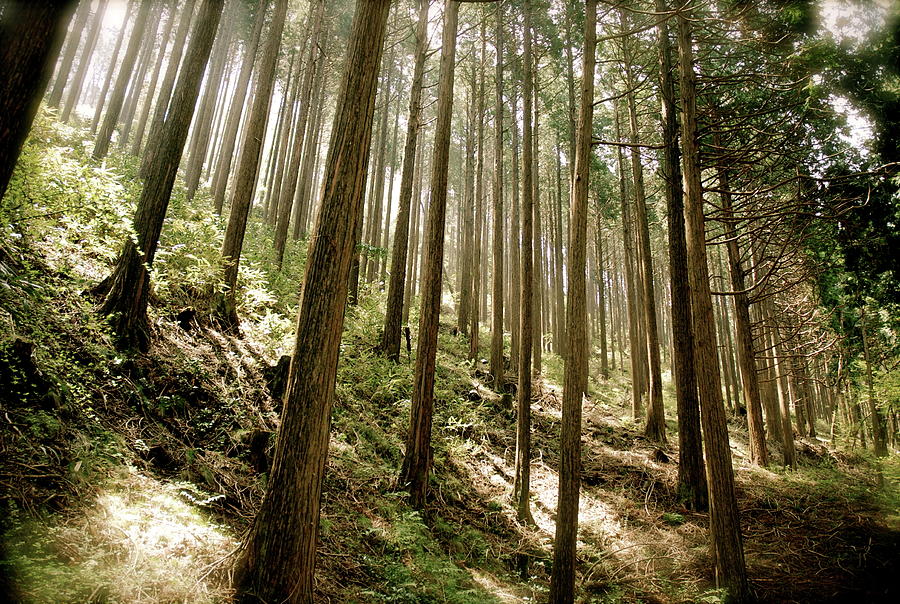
(133, 477)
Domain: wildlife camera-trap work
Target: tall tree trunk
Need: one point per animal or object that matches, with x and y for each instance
(537, 282)
(418, 458)
(691, 476)
(743, 328)
(522, 484)
(229, 140)
(497, 195)
(151, 89)
(248, 166)
(87, 55)
(480, 233)
(111, 71)
(302, 143)
(602, 297)
(636, 349)
(73, 41)
(161, 109)
(655, 428)
(31, 34)
(215, 88)
(575, 380)
(879, 426)
(104, 136)
(277, 561)
(725, 528)
(126, 302)
(136, 87)
(390, 342)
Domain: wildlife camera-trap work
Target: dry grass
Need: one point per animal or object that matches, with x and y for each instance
(140, 541)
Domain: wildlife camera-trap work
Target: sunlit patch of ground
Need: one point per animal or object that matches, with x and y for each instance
(141, 540)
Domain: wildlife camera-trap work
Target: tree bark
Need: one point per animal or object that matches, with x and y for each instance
(126, 302)
(31, 34)
(575, 380)
(418, 458)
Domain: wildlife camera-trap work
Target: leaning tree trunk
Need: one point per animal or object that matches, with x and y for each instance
(68, 56)
(248, 166)
(725, 527)
(575, 380)
(111, 70)
(418, 458)
(277, 561)
(393, 317)
(86, 57)
(692, 486)
(104, 136)
(165, 89)
(233, 122)
(126, 302)
(30, 37)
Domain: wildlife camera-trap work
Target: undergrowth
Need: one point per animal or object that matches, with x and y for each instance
(131, 478)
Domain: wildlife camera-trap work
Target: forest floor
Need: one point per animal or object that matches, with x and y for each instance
(131, 478)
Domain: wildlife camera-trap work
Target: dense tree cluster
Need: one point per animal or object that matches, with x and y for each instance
(706, 189)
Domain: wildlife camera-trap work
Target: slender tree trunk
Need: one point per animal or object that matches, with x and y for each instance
(126, 302)
(113, 65)
(390, 342)
(31, 34)
(879, 426)
(418, 458)
(161, 109)
(601, 294)
(537, 282)
(277, 561)
(136, 88)
(692, 486)
(301, 143)
(497, 194)
(73, 41)
(725, 529)
(214, 90)
(118, 94)
(226, 152)
(575, 380)
(248, 165)
(86, 56)
(522, 484)
(655, 428)
(151, 89)
(743, 329)
(480, 232)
